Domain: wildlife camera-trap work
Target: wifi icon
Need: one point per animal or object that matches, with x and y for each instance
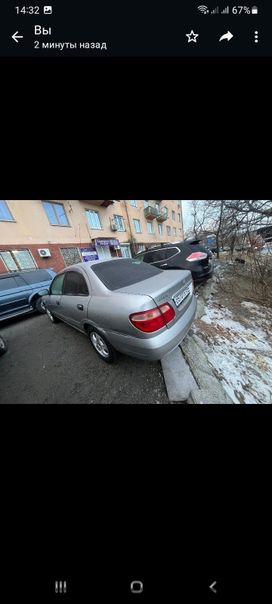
(203, 9)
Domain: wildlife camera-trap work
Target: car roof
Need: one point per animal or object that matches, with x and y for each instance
(154, 248)
(85, 265)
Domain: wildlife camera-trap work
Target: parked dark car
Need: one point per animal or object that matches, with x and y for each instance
(124, 305)
(19, 292)
(3, 346)
(188, 255)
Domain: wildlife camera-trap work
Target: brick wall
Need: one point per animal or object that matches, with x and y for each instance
(56, 261)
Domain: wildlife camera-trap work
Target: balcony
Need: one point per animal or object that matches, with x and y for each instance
(99, 202)
(162, 215)
(150, 212)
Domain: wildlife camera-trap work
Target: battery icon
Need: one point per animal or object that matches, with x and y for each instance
(254, 10)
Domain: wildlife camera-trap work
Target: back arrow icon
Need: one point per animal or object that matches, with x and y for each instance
(226, 36)
(16, 36)
(212, 587)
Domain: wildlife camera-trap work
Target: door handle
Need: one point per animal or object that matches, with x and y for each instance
(165, 264)
(80, 306)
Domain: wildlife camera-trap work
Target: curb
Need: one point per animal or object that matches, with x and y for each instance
(208, 389)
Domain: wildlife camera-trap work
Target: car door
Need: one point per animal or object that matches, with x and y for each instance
(163, 256)
(75, 298)
(53, 300)
(13, 297)
(37, 280)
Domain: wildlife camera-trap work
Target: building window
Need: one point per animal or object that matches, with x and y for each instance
(133, 202)
(179, 204)
(174, 231)
(18, 260)
(125, 251)
(71, 255)
(137, 225)
(93, 219)
(4, 212)
(158, 205)
(173, 215)
(179, 217)
(55, 213)
(168, 230)
(149, 228)
(180, 232)
(119, 221)
(160, 229)
(146, 203)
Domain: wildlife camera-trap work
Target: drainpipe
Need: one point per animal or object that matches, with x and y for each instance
(130, 230)
(181, 214)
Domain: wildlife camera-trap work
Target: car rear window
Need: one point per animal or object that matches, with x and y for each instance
(36, 277)
(115, 274)
(197, 247)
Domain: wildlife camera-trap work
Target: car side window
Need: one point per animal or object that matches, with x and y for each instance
(75, 285)
(56, 285)
(20, 281)
(170, 252)
(149, 257)
(159, 256)
(36, 277)
(8, 283)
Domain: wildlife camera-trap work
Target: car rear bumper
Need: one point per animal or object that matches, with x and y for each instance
(203, 274)
(155, 348)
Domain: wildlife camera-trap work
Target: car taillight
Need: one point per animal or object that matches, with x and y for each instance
(154, 319)
(196, 256)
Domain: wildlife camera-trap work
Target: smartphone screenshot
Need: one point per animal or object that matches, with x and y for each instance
(135, 331)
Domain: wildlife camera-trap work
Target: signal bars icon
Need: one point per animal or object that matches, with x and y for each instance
(225, 11)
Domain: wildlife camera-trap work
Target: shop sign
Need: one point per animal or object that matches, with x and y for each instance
(112, 242)
(89, 253)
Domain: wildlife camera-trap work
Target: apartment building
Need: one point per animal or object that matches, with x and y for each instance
(58, 233)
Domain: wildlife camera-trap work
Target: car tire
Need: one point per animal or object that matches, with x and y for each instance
(102, 347)
(3, 346)
(52, 317)
(39, 306)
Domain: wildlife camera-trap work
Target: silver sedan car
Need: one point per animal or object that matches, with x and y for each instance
(124, 305)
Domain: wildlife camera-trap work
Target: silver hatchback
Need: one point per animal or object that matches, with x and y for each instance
(124, 305)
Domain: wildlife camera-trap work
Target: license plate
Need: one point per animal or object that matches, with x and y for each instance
(180, 297)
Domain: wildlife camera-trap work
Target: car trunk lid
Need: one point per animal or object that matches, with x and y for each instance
(172, 287)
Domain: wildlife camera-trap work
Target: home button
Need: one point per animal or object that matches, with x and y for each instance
(136, 587)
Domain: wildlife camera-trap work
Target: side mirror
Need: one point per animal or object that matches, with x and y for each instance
(44, 292)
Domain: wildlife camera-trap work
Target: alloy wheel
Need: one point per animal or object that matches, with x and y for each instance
(99, 345)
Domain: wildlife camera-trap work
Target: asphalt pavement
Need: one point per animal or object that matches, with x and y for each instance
(49, 364)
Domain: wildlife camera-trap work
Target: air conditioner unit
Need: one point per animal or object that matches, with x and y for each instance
(113, 226)
(44, 253)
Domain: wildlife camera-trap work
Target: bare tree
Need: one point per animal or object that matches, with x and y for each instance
(237, 223)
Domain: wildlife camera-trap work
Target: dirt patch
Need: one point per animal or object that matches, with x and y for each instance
(213, 330)
(243, 283)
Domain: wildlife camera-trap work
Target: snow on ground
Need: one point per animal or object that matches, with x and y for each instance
(238, 345)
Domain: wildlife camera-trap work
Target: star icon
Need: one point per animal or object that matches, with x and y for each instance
(192, 37)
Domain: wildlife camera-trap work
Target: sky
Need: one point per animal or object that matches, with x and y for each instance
(186, 213)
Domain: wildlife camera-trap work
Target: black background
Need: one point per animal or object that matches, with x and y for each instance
(168, 494)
